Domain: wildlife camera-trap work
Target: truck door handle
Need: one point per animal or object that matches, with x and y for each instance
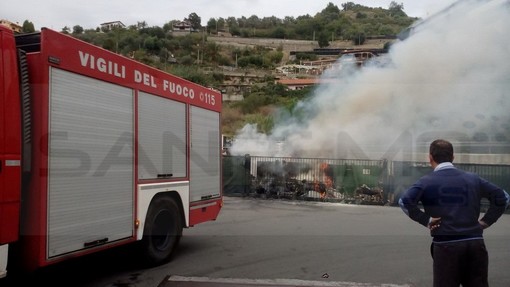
(95, 242)
(165, 175)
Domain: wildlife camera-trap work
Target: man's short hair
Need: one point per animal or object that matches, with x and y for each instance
(441, 151)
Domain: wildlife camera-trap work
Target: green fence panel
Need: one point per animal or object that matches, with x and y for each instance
(236, 176)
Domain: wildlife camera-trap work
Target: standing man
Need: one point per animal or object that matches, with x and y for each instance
(451, 201)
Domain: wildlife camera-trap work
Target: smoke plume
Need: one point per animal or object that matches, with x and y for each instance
(449, 78)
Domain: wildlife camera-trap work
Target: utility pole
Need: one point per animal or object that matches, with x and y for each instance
(198, 54)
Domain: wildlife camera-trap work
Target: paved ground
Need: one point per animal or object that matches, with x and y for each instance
(179, 281)
(280, 243)
(256, 239)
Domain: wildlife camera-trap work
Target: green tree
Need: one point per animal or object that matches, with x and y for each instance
(141, 25)
(28, 27)
(253, 21)
(77, 29)
(272, 58)
(396, 9)
(235, 31)
(153, 31)
(330, 13)
(109, 44)
(187, 60)
(279, 33)
(385, 30)
(304, 28)
(195, 20)
(323, 40)
(211, 51)
(211, 25)
(231, 22)
(250, 61)
(152, 44)
(167, 27)
(358, 38)
(348, 6)
(220, 24)
(253, 101)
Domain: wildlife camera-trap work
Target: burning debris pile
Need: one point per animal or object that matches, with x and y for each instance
(308, 181)
(278, 179)
(367, 195)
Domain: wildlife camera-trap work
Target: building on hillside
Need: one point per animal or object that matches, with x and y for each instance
(311, 68)
(298, 84)
(182, 28)
(295, 69)
(107, 26)
(15, 27)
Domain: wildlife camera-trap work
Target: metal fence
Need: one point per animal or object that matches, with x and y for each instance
(351, 181)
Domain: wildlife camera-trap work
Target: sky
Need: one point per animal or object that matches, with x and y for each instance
(56, 14)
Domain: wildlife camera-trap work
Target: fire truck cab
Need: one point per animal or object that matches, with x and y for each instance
(98, 150)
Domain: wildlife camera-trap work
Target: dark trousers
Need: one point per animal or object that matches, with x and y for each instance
(463, 263)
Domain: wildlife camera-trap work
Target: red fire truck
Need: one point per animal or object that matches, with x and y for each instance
(98, 151)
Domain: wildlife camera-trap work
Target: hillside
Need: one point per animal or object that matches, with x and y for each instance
(246, 100)
(242, 65)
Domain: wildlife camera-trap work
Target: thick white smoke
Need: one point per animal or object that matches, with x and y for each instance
(450, 78)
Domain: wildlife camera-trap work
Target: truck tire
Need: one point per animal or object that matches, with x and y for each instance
(162, 231)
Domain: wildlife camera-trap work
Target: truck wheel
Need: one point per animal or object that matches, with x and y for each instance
(162, 231)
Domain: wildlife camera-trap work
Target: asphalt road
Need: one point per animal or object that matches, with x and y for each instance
(275, 240)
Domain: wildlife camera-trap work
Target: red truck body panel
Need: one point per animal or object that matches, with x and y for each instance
(10, 139)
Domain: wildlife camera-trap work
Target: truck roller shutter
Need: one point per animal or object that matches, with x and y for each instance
(161, 137)
(90, 172)
(205, 154)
